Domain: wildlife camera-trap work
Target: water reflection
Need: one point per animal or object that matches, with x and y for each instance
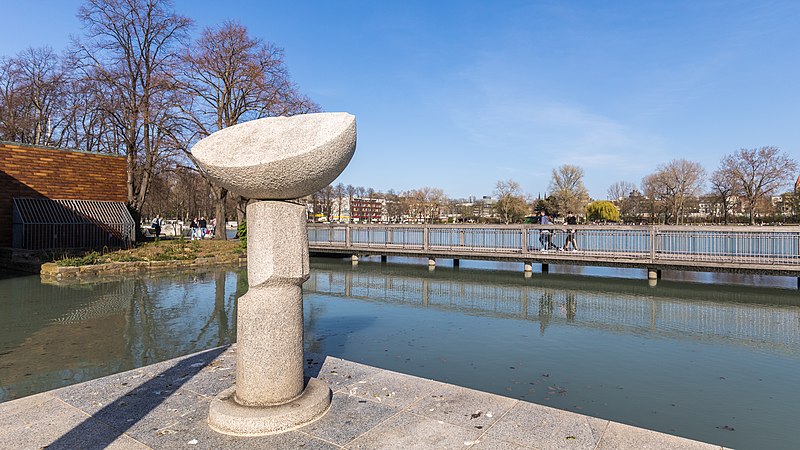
(694, 360)
(688, 359)
(58, 335)
(739, 316)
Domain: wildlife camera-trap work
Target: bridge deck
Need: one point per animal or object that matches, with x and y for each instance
(762, 250)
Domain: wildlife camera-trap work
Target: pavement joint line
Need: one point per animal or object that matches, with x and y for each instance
(399, 411)
(478, 439)
(602, 434)
(90, 416)
(319, 438)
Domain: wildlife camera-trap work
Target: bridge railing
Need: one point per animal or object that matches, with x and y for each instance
(746, 245)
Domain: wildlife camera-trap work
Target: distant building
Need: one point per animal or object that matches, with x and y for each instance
(56, 198)
(368, 209)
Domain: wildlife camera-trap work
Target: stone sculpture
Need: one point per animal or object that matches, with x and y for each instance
(273, 160)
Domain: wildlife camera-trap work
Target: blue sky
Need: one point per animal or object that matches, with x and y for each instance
(460, 94)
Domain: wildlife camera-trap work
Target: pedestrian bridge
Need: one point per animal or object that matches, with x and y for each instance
(741, 249)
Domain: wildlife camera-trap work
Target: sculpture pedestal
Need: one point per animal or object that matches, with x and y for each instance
(270, 395)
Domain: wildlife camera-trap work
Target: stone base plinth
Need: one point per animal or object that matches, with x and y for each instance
(228, 417)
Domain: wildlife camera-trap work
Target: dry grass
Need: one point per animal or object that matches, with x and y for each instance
(163, 250)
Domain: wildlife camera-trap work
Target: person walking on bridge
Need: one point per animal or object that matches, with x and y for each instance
(545, 234)
(571, 220)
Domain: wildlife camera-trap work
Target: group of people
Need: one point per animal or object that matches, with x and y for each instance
(199, 228)
(546, 234)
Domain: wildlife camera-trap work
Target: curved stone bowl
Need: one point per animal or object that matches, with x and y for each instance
(279, 158)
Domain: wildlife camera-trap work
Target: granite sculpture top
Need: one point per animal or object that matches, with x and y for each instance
(279, 158)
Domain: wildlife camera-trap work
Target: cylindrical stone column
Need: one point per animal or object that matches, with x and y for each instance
(269, 357)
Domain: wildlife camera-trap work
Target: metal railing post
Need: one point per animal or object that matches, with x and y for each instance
(652, 243)
(348, 240)
(524, 240)
(425, 230)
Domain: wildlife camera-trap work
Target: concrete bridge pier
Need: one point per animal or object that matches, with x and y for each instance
(653, 274)
(354, 260)
(431, 262)
(528, 267)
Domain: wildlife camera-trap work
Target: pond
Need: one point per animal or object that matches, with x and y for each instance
(691, 357)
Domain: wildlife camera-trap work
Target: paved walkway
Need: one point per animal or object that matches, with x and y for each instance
(165, 406)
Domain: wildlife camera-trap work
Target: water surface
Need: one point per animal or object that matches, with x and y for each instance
(714, 362)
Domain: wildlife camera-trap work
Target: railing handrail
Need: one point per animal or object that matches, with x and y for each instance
(693, 227)
(749, 248)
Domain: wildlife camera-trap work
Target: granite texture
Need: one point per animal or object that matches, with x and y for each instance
(162, 407)
(270, 315)
(279, 157)
(231, 417)
(271, 395)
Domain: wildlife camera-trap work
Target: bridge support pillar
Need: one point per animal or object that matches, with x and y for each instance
(528, 267)
(354, 259)
(653, 274)
(431, 262)
(545, 268)
(456, 262)
(384, 258)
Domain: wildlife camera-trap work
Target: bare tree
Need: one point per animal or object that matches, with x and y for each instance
(34, 84)
(326, 201)
(395, 206)
(757, 173)
(351, 192)
(624, 195)
(653, 192)
(434, 201)
(620, 190)
(722, 188)
(229, 77)
(675, 183)
(338, 192)
(511, 205)
(567, 191)
(130, 47)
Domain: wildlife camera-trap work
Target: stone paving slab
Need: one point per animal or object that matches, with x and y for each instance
(165, 406)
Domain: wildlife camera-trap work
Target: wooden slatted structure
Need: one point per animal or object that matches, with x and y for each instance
(41, 223)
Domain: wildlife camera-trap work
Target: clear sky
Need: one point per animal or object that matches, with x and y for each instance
(460, 94)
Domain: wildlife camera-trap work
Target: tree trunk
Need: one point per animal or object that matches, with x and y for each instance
(241, 208)
(220, 197)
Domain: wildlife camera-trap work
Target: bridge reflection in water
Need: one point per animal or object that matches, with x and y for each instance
(738, 315)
